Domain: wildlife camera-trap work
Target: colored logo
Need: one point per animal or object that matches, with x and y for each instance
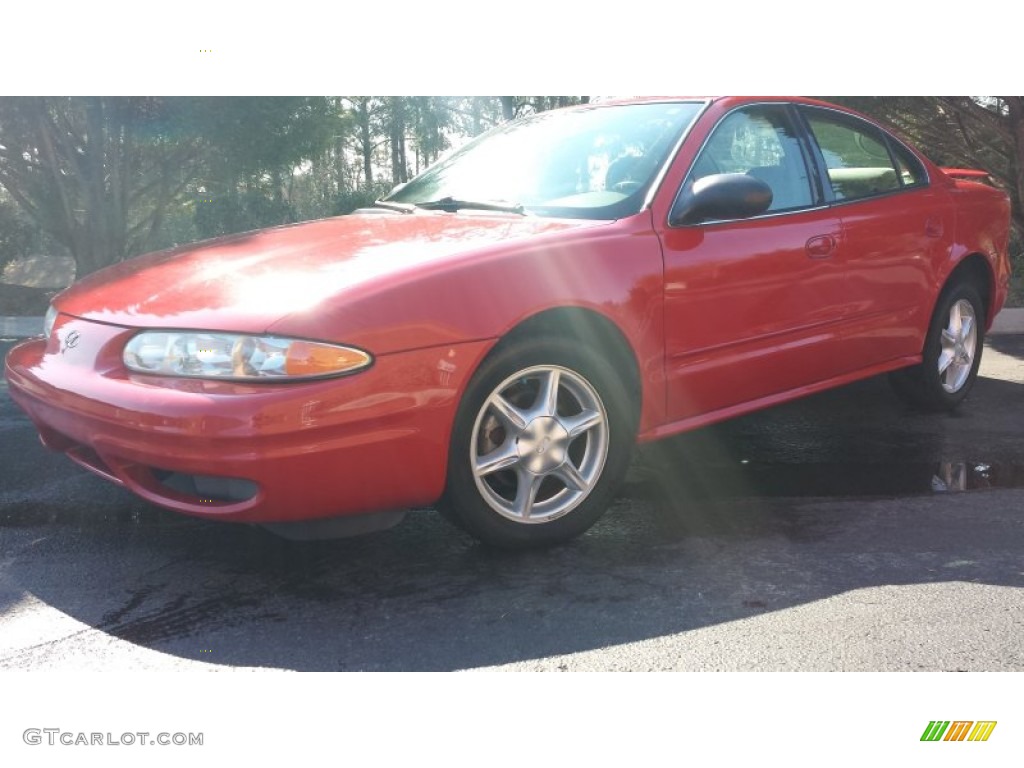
(958, 730)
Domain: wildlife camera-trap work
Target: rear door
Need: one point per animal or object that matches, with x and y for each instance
(897, 232)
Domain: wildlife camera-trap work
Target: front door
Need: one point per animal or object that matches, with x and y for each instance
(753, 307)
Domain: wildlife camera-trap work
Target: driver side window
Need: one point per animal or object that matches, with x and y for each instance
(760, 142)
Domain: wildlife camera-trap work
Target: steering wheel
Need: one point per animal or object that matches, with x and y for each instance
(626, 187)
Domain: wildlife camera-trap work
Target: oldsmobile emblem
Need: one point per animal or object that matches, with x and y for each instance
(70, 342)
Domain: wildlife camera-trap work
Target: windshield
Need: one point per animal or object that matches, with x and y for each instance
(594, 162)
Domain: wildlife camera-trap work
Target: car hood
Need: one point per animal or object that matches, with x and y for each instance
(249, 281)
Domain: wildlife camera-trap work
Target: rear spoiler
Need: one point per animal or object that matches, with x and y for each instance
(967, 174)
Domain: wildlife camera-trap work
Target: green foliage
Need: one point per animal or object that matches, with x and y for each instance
(350, 200)
(178, 227)
(517, 106)
(259, 141)
(20, 236)
(240, 211)
(249, 136)
(17, 235)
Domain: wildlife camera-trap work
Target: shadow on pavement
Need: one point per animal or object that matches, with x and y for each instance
(1008, 344)
(699, 538)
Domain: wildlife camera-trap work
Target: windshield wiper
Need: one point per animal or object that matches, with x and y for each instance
(452, 204)
(400, 207)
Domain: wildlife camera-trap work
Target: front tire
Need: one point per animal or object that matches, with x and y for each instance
(952, 353)
(542, 438)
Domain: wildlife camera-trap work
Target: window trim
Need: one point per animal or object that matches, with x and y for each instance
(670, 160)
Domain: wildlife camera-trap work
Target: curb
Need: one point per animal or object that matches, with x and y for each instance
(1008, 321)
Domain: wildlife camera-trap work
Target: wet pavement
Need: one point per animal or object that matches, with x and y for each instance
(840, 532)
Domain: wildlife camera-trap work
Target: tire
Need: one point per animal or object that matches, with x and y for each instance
(529, 470)
(952, 353)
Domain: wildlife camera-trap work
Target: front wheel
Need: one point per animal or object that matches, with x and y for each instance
(541, 439)
(952, 353)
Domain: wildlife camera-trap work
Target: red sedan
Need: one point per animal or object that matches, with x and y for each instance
(495, 336)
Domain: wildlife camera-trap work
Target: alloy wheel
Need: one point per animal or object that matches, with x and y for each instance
(958, 346)
(539, 444)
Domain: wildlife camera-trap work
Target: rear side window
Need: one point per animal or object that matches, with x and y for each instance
(911, 171)
(857, 157)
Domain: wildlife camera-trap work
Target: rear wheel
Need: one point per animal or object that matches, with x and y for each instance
(952, 352)
(541, 439)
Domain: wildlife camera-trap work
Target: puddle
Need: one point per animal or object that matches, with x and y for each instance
(751, 479)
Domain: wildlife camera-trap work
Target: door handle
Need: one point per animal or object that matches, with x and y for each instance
(821, 246)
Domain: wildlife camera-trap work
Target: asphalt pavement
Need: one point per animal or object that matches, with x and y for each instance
(840, 532)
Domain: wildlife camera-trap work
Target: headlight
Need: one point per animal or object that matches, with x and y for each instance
(49, 320)
(203, 355)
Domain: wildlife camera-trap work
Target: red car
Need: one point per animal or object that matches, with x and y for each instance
(495, 336)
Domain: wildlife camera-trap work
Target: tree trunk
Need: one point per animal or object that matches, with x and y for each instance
(508, 107)
(365, 138)
(396, 130)
(340, 168)
(476, 116)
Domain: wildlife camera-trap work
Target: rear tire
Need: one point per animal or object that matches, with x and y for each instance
(541, 440)
(951, 355)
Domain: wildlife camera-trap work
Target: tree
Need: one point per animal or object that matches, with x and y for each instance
(984, 132)
(245, 179)
(430, 120)
(517, 106)
(97, 173)
(482, 112)
(17, 235)
(101, 173)
(364, 113)
(396, 122)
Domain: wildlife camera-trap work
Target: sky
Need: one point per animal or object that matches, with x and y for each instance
(112, 47)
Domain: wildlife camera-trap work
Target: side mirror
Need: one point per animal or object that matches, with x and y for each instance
(721, 196)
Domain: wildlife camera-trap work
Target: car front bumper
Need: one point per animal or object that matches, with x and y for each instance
(277, 452)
